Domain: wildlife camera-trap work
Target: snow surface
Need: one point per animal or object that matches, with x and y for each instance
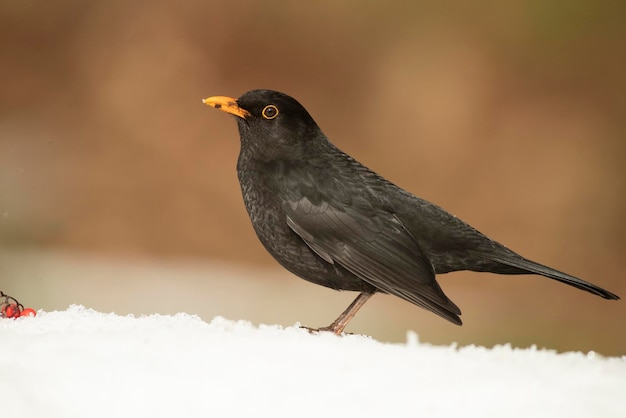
(83, 363)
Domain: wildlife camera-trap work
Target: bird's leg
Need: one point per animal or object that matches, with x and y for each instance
(340, 323)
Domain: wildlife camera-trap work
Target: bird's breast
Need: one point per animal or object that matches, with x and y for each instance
(266, 212)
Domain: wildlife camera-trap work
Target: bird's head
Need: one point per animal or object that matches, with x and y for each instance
(269, 122)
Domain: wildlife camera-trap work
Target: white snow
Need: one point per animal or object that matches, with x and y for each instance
(83, 363)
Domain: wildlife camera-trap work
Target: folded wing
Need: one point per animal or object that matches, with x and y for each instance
(373, 245)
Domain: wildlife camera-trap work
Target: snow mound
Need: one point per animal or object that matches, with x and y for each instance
(83, 363)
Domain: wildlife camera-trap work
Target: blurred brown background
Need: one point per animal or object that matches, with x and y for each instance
(118, 187)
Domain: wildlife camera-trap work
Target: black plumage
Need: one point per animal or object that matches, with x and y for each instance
(330, 220)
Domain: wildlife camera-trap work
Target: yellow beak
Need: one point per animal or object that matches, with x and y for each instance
(226, 104)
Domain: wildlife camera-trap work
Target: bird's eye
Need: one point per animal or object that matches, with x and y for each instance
(269, 112)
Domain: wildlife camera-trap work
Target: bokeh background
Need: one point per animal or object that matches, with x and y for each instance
(118, 187)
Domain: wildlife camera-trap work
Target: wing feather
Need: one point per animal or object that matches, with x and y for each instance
(375, 246)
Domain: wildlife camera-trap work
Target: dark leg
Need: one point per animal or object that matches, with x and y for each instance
(340, 323)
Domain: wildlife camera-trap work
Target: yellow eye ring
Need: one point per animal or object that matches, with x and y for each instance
(269, 112)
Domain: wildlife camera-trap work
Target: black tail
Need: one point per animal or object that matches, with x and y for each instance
(528, 266)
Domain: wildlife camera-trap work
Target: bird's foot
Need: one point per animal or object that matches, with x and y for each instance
(330, 328)
(340, 323)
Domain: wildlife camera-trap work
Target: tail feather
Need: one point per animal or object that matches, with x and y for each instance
(529, 266)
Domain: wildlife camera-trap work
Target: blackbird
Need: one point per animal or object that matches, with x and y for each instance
(330, 220)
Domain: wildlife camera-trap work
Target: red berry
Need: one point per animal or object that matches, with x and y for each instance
(28, 312)
(11, 311)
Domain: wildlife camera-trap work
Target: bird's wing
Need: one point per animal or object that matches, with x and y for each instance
(372, 244)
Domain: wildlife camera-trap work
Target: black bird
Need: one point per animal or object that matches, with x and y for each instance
(330, 220)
